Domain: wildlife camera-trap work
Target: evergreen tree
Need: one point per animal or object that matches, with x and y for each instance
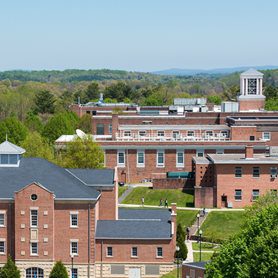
(59, 271)
(33, 122)
(85, 123)
(44, 102)
(82, 153)
(92, 92)
(37, 146)
(13, 129)
(182, 253)
(9, 270)
(59, 124)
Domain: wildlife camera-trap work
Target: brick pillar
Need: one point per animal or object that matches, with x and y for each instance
(115, 125)
(173, 226)
(249, 152)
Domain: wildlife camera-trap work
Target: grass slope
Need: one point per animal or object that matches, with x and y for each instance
(153, 196)
(172, 274)
(222, 225)
(206, 256)
(186, 217)
(121, 190)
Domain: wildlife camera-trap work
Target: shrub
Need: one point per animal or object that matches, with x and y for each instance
(59, 271)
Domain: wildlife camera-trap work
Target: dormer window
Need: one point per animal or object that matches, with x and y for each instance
(9, 159)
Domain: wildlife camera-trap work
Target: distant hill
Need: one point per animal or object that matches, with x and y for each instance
(220, 71)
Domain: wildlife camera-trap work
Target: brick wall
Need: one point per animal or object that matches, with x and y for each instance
(165, 183)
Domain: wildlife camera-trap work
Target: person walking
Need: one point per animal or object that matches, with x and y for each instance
(160, 203)
(166, 203)
(187, 233)
(142, 201)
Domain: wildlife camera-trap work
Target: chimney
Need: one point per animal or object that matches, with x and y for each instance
(249, 152)
(115, 125)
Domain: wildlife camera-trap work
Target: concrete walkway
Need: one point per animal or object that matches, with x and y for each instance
(190, 257)
(127, 192)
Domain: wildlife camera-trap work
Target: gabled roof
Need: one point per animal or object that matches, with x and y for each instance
(136, 224)
(54, 178)
(252, 72)
(9, 148)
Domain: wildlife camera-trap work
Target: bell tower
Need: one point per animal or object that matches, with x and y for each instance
(251, 96)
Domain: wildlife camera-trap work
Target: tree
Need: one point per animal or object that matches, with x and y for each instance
(33, 122)
(85, 123)
(59, 271)
(82, 153)
(13, 129)
(215, 99)
(44, 102)
(36, 146)
(253, 252)
(9, 270)
(182, 253)
(59, 124)
(118, 91)
(92, 91)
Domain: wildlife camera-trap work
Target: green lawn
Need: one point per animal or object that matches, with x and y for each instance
(206, 256)
(186, 217)
(222, 225)
(153, 196)
(206, 246)
(121, 190)
(172, 274)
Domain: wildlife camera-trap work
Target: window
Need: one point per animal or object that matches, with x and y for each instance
(176, 134)
(110, 129)
(2, 220)
(74, 273)
(74, 220)
(273, 172)
(224, 134)
(200, 153)
(140, 158)
(34, 248)
(238, 172)
(34, 197)
(160, 159)
(109, 251)
(266, 135)
(134, 252)
(34, 272)
(255, 194)
(220, 151)
(160, 133)
(209, 133)
(74, 247)
(100, 129)
(252, 138)
(159, 252)
(2, 247)
(127, 133)
(190, 133)
(34, 218)
(256, 172)
(13, 159)
(252, 86)
(142, 133)
(121, 158)
(180, 159)
(238, 194)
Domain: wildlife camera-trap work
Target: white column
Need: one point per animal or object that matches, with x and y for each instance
(245, 86)
(241, 86)
(258, 86)
(261, 86)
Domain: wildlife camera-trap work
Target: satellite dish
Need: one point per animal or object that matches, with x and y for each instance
(81, 134)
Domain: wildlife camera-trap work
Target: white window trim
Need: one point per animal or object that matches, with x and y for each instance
(132, 256)
(74, 241)
(140, 165)
(72, 272)
(220, 151)
(237, 200)
(31, 251)
(145, 133)
(160, 165)
(200, 151)
(4, 214)
(31, 225)
(177, 132)
(157, 252)
(73, 213)
(179, 165)
(187, 134)
(120, 164)
(162, 131)
(263, 133)
(3, 240)
(110, 256)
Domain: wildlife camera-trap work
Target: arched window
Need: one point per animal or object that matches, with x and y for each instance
(34, 272)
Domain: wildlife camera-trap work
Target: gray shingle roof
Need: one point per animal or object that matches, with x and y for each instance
(201, 265)
(49, 175)
(96, 177)
(136, 224)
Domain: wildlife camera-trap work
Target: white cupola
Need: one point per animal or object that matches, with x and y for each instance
(10, 154)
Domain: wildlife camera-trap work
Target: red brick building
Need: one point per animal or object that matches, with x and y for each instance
(48, 213)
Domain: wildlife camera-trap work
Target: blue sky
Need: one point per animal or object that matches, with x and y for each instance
(143, 35)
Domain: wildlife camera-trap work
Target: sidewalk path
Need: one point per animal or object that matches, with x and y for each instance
(190, 257)
(128, 191)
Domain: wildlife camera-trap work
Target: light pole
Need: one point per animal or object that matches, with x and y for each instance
(177, 259)
(72, 256)
(198, 222)
(200, 240)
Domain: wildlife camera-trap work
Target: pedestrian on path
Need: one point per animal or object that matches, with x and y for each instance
(160, 203)
(187, 233)
(166, 203)
(142, 201)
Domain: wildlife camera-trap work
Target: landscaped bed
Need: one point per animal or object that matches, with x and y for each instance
(221, 225)
(153, 197)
